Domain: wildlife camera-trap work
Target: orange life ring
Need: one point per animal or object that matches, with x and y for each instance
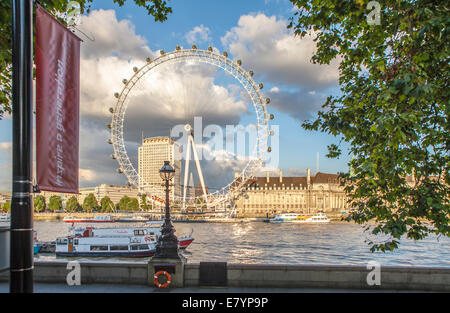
(156, 280)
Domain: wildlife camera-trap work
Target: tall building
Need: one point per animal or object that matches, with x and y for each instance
(152, 154)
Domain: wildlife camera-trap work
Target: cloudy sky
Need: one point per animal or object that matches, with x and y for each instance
(252, 31)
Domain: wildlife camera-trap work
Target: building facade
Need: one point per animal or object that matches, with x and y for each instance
(305, 195)
(152, 154)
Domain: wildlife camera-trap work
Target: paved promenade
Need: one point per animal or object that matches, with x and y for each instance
(59, 288)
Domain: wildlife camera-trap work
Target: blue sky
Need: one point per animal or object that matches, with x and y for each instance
(254, 31)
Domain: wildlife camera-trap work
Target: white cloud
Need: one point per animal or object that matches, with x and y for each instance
(6, 147)
(111, 37)
(267, 46)
(199, 34)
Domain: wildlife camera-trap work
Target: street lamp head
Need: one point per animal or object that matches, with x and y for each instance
(167, 171)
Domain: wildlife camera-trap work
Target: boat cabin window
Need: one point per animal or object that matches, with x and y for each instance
(99, 248)
(61, 241)
(76, 242)
(119, 248)
(140, 232)
(139, 247)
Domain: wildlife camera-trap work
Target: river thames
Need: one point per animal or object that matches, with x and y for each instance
(264, 243)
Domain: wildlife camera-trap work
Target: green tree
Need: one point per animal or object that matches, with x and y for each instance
(6, 207)
(133, 204)
(156, 8)
(90, 203)
(392, 109)
(72, 205)
(123, 203)
(144, 204)
(106, 204)
(55, 203)
(39, 204)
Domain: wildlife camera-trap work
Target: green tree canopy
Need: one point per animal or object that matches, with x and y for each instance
(157, 8)
(144, 204)
(39, 204)
(123, 203)
(106, 204)
(392, 109)
(6, 207)
(72, 205)
(90, 203)
(128, 204)
(133, 204)
(55, 203)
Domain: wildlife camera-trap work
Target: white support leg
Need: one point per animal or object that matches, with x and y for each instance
(200, 174)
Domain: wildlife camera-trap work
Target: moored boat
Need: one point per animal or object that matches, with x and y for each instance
(5, 218)
(36, 244)
(298, 218)
(131, 219)
(97, 219)
(113, 242)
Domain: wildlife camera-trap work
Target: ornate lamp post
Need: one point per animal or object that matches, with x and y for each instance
(167, 246)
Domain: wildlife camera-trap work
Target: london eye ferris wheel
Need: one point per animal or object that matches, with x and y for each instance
(137, 87)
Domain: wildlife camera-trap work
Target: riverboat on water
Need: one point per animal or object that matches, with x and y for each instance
(113, 242)
(5, 218)
(297, 218)
(97, 219)
(36, 244)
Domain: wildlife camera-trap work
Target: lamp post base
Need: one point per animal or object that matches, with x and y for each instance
(173, 266)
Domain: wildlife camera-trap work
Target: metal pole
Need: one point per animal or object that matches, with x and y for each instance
(21, 265)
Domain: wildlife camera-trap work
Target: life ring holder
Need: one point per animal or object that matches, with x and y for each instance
(156, 279)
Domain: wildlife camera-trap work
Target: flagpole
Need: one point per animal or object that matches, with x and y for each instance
(21, 260)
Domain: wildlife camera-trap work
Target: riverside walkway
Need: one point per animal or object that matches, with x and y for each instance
(95, 288)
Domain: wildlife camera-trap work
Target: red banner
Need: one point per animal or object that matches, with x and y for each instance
(57, 104)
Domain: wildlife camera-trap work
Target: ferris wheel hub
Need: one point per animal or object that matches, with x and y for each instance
(188, 127)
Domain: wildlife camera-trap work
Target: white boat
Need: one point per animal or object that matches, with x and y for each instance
(298, 218)
(112, 242)
(97, 219)
(5, 218)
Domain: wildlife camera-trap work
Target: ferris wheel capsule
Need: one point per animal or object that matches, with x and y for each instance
(239, 62)
(135, 69)
(120, 171)
(116, 95)
(194, 47)
(261, 86)
(109, 126)
(251, 73)
(113, 156)
(267, 100)
(269, 149)
(149, 60)
(162, 52)
(125, 81)
(271, 117)
(210, 49)
(272, 133)
(177, 48)
(225, 54)
(110, 141)
(111, 110)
